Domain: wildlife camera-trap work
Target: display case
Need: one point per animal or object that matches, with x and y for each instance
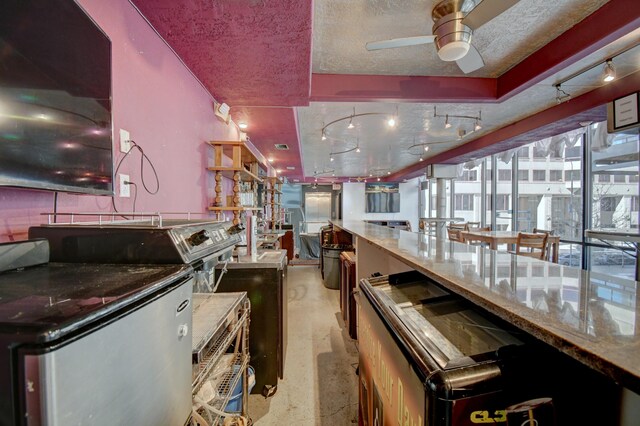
(417, 341)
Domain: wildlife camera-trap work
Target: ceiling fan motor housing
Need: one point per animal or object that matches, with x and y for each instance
(452, 36)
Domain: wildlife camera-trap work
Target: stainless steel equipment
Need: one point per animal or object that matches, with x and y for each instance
(143, 238)
(79, 344)
(154, 239)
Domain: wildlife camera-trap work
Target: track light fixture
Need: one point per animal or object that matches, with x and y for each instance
(561, 95)
(447, 124)
(609, 71)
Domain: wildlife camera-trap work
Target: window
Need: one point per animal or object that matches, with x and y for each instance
(504, 175)
(619, 178)
(523, 152)
(464, 202)
(523, 175)
(555, 175)
(604, 178)
(538, 152)
(469, 176)
(608, 204)
(633, 203)
(573, 153)
(570, 175)
(502, 202)
(539, 175)
(633, 178)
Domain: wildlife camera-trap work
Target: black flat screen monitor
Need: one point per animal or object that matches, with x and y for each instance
(382, 197)
(55, 98)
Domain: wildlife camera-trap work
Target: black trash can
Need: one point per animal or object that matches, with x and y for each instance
(331, 264)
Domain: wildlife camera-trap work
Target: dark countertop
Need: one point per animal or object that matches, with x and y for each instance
(54, 299)
(593, 318)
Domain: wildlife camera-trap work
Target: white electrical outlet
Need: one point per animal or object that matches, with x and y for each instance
(124, 187)
(125, 141)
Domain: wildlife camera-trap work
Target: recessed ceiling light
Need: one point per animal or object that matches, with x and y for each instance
(278, 171)
(290, 168)
(391, 122)
(271, 160)
(243, 125)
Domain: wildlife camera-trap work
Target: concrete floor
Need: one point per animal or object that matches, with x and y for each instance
(320, 384)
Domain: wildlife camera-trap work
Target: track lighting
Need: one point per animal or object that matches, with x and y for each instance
(391, 122)
(478, 126)
(330, 158)
(447, 125)
(324, 136)
(609, 71)
(561, 95)
(358, 149)
(426, 148)
(351, 126)
(420, 158)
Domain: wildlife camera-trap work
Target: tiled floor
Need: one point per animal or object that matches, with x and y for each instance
(320, 385)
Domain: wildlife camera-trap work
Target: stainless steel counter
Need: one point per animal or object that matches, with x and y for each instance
(264, 259)
(591, 317)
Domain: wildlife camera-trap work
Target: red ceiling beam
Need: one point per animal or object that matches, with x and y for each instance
(607, 24)
(397, 88)
(516, 134)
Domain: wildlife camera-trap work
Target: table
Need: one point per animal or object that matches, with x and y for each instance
(494, 238)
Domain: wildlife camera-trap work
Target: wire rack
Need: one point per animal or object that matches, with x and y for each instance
(235, 335)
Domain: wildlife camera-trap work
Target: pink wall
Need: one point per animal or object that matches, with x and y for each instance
(165, 109)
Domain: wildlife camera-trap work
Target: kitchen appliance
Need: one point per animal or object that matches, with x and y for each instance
(142, 238)
(265, 281)
(452, 376)
(81, 343)
(429, 357)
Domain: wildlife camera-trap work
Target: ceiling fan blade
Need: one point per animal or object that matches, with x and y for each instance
(471, 61)
(400, 42)
(486, 11)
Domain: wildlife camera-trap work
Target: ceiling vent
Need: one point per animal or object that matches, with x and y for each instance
(282, 146)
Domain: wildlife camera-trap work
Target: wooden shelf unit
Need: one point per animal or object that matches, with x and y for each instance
(244, 168)
(272, 206)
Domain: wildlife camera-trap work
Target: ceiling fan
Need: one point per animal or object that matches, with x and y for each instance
(454, 23)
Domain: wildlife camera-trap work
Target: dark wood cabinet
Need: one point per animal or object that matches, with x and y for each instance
(347, 286)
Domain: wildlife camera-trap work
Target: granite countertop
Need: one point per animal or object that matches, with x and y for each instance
(593, 318)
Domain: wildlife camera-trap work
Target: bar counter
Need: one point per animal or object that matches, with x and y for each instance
(591, 317)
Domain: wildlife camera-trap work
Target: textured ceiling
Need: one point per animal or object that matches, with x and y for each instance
(256, 55)
(384, 148)
(343, 27)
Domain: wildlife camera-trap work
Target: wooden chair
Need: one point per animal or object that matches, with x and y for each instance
(542, 231)
(473, 225)
(459, 225)
(454, 234)
(474, 242)
(532, 243)
(548, 232)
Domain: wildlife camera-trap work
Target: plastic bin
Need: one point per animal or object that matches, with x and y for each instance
(235, 401)
(331, 264)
